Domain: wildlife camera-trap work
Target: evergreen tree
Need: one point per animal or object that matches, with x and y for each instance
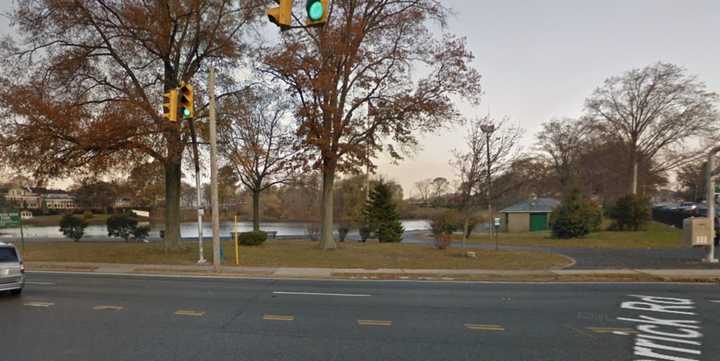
(381, 214)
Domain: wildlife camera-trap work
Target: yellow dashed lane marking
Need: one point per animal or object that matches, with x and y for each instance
(192, 313)
(108, 308)
(278, 318)
(39, 304)
(374, 323)
(611, 330)
(483, 327)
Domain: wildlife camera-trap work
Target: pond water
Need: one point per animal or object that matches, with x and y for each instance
(190, 229)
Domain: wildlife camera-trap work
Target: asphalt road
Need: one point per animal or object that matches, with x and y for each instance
(86, 317)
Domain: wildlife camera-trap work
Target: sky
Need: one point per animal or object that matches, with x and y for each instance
(540, 59)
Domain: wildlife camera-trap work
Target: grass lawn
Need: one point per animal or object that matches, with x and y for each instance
(289, 253)
(656, 235)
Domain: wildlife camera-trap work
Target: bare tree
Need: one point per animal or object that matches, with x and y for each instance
(424, 189)
(439, 187)
(561, 142)
(354, 89)
(258, 143)
(484, 158)
(653, 112)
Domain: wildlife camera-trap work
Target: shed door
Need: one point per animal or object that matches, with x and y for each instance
(538, 222)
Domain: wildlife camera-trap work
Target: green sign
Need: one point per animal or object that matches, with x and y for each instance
(9, 219)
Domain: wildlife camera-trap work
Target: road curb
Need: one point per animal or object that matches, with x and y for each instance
(283, 273)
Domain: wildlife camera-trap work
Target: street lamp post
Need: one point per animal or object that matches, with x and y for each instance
(488, 129)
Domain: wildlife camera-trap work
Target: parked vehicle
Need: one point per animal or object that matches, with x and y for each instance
(12, 270)
(688, 206)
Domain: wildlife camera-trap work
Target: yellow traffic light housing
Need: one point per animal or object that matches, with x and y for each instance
(186, 101)
(281, 15)
(317, 12)
(170, 105)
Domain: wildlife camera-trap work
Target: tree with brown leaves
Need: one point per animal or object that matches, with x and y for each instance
(370, 80)
(83, 84)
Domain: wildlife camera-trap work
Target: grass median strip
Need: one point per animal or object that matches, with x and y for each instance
(297, 253)
(654, 236)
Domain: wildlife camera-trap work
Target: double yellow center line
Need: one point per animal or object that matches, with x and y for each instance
(612, 330)
(278, 318)
(374, 323)
(484, 327)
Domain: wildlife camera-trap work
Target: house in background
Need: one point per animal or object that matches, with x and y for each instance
(529, 216)
(41, 198)
(57, 199)
(24, 197)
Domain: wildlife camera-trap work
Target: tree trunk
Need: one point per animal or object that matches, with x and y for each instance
(634, 177)
(633, 170)
(466, 225)
(256, 210)
(173, 173)
(326, 228)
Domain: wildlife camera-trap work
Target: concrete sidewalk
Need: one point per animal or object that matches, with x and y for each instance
(596, 275)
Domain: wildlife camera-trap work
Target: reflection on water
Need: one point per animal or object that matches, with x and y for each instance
(190, 230)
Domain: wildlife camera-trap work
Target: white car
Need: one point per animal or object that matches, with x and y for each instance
(12, 271)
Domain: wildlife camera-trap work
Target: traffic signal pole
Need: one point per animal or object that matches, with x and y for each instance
(710, 189)
(214, 174)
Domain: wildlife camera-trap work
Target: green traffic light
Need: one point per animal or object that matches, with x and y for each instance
(186, 112)
(315, 10)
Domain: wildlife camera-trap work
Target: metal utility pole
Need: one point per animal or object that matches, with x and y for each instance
(366, 181)
(710, 189)
(488, 129)
(214, 174)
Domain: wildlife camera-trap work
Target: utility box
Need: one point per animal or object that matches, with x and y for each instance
(696, 231)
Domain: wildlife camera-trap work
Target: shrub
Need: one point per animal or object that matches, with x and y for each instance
(442, 226)
(364, 233)
(141, 233)
(72, 227)
(473, 221)
(630, 212)
(122, 226)
(390, 232)
(87, 215)
(343, 231)
(312, 230)
(575, 217)
(255, 238)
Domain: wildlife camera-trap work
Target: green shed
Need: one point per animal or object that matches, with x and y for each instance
(529, 216)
